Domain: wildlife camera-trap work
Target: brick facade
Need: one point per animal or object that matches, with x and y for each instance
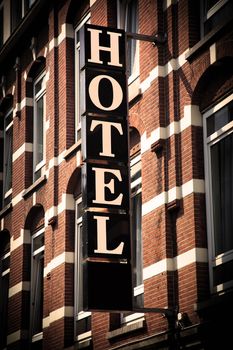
(179, 81)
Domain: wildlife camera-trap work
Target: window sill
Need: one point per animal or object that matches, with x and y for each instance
(72, 150)
(5, 210)
(38, 183)
(126, 329)
(207, 40)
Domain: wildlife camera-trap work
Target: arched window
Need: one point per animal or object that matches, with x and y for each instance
(4, 285)
(218, 140)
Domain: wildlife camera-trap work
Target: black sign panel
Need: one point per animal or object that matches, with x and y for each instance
(105, 186)
(96, 136)
(108, 235)
(105, 172)
(107, 286)
(104, 92)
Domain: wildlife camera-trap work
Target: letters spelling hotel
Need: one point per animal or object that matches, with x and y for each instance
(116, 162)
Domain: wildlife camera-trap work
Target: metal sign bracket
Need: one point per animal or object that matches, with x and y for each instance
(156, 39)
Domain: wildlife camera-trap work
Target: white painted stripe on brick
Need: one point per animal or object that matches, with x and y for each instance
(78, 159)
(172, 264)
(27, 101)
(47, 123)
(67, 31)
(24, 238)
(19, 287)
(192, 117)
(213, 53)
(162, 71)
(17, 198)
(67, 203)
(52, 43)
(2, 224)
(65, 257)
(51, 212)
(26, 147)
(168, 3)
(13, 337)
(192, 186)
(56, 160)
(65, 311)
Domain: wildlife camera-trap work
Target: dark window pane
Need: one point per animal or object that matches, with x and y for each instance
(223, 273)
(222, 189)
(37, 297)
(1, 27)
(16, 13)
(38, 242)
(83, 325)
(219, 119)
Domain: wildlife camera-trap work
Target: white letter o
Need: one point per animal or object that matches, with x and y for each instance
(94, 92)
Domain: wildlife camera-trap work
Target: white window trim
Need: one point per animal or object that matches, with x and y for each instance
(208, 142)
(38, 336)
(136, 71)
(36, 97)
(79, 315)
(215, 8)
(6, 129)
(85, 19)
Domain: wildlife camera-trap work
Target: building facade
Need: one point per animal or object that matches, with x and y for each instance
(180, 94)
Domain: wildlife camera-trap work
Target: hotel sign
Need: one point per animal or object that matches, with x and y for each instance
(105, 172)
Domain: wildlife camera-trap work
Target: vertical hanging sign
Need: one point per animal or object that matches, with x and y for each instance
(105, 172)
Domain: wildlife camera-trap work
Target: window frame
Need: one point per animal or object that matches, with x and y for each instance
(206, 15)
(122, 13)
(80, 314)
(41, 94)
(34, 290)
(7, 163)
(85, 20)
(1, 24)
(5, 274)
(138, 286)
(214, 138)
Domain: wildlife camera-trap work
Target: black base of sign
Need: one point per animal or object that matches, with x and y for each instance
(109, 286)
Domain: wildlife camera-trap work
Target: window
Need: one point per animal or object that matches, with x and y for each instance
(38, 125)
(18, 11)
(7, 157)
(127, 18)
(77, 78)
(218, 136)
(1, 24)
(4, 285)
(37, 274)
(136, 226)
(83, 319)
(213, 13)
